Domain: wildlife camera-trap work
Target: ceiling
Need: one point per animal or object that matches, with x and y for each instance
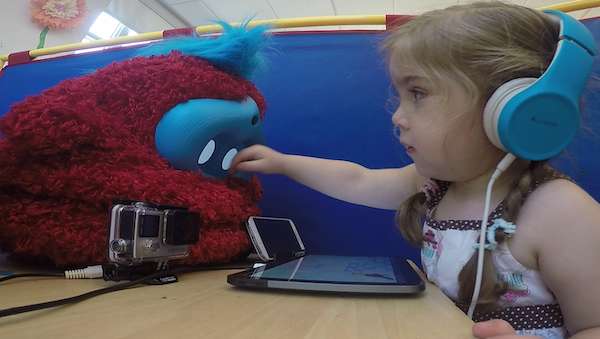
(187, 13)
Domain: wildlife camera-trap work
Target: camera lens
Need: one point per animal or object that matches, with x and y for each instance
(183, 227)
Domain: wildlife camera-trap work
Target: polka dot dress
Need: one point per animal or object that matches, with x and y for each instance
(528, 305)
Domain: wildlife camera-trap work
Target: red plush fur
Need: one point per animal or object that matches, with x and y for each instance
(68, 152)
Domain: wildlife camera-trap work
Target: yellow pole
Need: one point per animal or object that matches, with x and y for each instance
(277, 23)
(573, 5)
(84, 45)
(339, 20)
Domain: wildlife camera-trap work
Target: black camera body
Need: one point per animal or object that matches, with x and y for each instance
(142, 231)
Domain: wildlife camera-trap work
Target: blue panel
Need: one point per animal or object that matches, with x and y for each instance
(16, 82)
(327, 96)
(580, 160)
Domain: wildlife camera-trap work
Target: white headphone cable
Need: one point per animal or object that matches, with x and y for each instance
(502, 166)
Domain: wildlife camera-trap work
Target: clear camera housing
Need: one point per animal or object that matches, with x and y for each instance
(142, 231)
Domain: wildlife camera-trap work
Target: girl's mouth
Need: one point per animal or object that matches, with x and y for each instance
(409, 149)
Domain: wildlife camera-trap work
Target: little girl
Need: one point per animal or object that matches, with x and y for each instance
(540, 272)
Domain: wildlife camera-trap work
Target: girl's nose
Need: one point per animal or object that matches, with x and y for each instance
(399, 119)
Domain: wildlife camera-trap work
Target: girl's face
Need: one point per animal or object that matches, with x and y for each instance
(444, 141)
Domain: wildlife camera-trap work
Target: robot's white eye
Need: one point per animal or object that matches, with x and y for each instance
(228, 158)
(207, 152)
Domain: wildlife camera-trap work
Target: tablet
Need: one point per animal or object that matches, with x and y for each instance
(330, 273)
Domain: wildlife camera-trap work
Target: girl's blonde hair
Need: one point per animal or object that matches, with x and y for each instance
(481, 45)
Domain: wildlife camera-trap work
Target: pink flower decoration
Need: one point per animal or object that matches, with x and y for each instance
(429, 189)
(58, 14)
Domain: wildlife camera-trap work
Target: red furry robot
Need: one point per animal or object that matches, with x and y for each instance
(152, 128)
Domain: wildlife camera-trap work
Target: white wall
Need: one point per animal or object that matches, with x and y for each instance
(18, 33)
(139, 17)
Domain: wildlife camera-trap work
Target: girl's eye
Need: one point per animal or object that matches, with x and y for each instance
(417, 94)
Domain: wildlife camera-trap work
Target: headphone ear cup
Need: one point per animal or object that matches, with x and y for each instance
(496, 107)
(537, 118)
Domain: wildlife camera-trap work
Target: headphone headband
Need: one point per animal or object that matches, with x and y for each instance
(572, 29)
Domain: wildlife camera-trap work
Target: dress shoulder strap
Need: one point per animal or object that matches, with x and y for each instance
(441, 189)
(443, 186)
(551, 174)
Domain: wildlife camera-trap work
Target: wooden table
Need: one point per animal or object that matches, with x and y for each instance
(204, 305)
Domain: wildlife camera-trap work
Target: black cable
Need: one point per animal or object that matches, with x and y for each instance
(85, 296)
(27, 275)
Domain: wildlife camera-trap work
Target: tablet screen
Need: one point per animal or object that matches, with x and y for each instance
(335, 273)
(376, 270)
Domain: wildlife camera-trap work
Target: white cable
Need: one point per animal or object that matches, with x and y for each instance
(502, 166)
(90, 272)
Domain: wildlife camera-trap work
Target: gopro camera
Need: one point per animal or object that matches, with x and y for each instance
(142, 231)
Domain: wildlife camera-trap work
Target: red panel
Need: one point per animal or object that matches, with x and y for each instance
(188, 31)
(393, 21)
(19, 58)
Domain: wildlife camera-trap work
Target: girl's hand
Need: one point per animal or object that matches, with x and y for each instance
(257, 158)
(497, 329)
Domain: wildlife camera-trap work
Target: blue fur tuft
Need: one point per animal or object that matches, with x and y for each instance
(236, 50)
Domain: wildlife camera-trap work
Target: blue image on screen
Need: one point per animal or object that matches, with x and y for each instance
(343, 269)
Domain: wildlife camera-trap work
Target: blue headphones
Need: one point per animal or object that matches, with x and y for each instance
(536, 118)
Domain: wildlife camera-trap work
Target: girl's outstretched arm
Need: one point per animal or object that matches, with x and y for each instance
(381, 188)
